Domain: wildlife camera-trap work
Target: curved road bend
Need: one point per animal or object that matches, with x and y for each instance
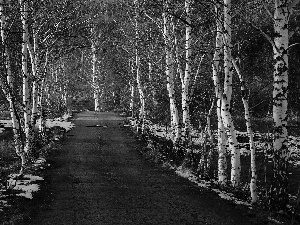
(99, 178)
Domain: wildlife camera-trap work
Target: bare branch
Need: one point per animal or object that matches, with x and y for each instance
(265, 35)
(267, 10)
(292, 45)
(293, 4)
(291, 34)
(181, 19)
(153, 20)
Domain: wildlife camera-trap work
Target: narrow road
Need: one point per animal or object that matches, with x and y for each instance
(98, 177)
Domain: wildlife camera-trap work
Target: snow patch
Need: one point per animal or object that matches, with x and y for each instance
(3, 204)
(60, 122)
(206, 184)
(26, 185)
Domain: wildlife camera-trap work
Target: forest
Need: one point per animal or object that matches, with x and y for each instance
(212, 87)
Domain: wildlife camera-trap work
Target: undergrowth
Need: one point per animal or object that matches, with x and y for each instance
(163, 151)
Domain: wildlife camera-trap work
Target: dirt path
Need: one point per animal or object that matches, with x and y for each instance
(99, 178)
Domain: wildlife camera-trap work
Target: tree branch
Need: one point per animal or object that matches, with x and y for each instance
(293, 4)
(153, 20)
(181, 19)
(267, 10)
(293, 32)
(292, 45)
(265, 35)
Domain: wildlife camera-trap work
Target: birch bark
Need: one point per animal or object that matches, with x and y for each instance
(131, 84)
(138, 72)
(253, 186)
(94, 78)
(216, 67)
(36, 85)
(187, 73)
(132, 89)
(176, 131)
(226, 97)
(278, 190)
(26, 92)
(8, 89)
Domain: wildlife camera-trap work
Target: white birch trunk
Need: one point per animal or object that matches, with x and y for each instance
(197, 75)
(176, 131)
(141, 92)
(131, 106)
(138, 73)
(187, 73)
(216, 67)
(41, 119)
(94, 79)
(278, 191)
(209, 146)
(26, 92)
(7, 89)
(253, 186)
(226, 98)
(40, 97)
(153, 92)
(132, 90)
(36, 80)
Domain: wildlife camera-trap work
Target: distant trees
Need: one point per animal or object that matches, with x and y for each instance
(37, 40)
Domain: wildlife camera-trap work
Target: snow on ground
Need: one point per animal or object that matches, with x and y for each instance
(26, 185)
(61, 122)
(206, 184)
(260, 142)
(5, 124)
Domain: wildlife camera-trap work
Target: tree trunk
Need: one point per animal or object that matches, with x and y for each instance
(197, 75)
(187, 73)
(153, 92)
(26, 92)
(41, 119)
(36, 79)
(278, 195)
(226, 97)
(94, 79)
(216, 67)
(176, 131)
(253, 186)
(131, 84)
(138, 72)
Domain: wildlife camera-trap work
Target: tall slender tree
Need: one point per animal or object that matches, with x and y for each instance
(175, 126)
(227, 95)
(282, 12)
(216, 67)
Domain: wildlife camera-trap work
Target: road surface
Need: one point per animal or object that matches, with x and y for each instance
(98, 177)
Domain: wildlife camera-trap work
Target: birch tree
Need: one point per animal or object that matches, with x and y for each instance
(176, 131)
(25, 74)
(226, 97)
(94, 74)
(278, 190)
(216, 68)
(137, 68)
(187, 74)
(7, 87)
(253, 181)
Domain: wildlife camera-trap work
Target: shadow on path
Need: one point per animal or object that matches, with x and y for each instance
(98, 177)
